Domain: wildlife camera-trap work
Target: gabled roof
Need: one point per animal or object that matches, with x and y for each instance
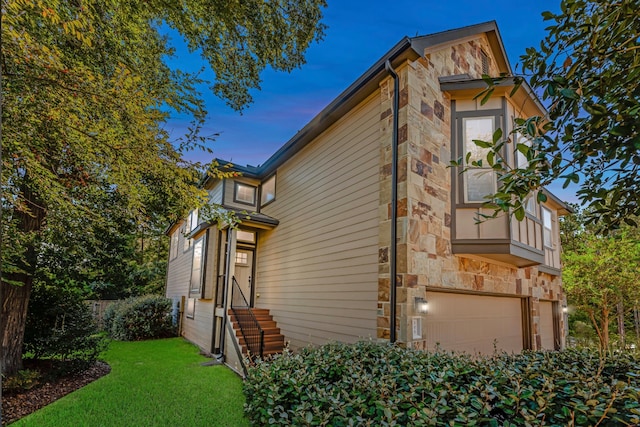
(490, 28)
(409, 48)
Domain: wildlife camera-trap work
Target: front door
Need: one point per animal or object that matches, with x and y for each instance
(244, 273)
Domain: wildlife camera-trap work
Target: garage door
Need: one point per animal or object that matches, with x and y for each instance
(546, 325)
(473, 323)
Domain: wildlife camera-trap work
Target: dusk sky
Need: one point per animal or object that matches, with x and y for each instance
(359, 32)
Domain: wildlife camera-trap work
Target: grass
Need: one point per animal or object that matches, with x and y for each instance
(152, 383)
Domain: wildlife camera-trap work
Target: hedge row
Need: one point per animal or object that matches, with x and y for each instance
(369, 384)
(140, 318)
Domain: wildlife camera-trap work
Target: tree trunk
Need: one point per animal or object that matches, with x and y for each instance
(636, 322)
(620, 309)
(604, 339)
(15, 297)
(15, 300)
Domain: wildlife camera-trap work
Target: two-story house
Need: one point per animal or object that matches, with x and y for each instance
(316, 255)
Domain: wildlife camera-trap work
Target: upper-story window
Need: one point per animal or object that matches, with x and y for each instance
(174, 244)
(193, 220)
(480, 181)
(244, 193)
(190, 224)
(268, 193)
(195, 286)
(530, 205)
(547, 223)
(521, 159)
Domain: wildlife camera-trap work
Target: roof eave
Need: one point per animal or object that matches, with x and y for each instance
(355, 93)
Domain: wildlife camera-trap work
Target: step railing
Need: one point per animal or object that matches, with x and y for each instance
(250, 329)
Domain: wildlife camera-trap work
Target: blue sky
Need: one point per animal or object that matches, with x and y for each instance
(359, 32)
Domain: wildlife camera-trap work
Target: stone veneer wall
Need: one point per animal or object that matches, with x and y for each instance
(424, 258)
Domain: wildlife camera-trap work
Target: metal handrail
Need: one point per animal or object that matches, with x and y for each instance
(249, 326)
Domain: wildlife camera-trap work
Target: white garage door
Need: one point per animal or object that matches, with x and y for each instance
(546, 325)
(474, 323)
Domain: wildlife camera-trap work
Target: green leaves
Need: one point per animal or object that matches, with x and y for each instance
(382, 384)
(587, 70)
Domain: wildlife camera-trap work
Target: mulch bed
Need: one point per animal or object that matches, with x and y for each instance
(16, 405)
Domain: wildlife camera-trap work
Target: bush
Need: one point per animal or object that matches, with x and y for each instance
(375, 384)
(60, 328)
(24, 380)
(140, 318)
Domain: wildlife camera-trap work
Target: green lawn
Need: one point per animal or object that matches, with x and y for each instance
(152, 383)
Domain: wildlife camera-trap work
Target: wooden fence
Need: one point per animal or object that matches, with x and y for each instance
(98, 308)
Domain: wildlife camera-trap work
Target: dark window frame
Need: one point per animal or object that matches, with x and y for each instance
(263, 203)
(498, 115)
(199, 289)
(235, 193)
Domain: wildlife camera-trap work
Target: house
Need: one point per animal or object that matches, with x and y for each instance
(313, 255)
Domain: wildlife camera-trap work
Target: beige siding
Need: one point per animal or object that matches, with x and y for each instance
(317, 271)
(179, 269)
(471, 225)
(229, 192)
(215, 193)
(198, 329)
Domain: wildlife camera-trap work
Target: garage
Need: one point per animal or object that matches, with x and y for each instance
(474, 323)
(547, 328)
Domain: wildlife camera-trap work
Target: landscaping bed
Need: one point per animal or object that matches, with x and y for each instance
(20, 403)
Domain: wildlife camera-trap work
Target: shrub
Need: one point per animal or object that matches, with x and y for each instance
(140, 318)
(374, 384)
(60, 328)
(24, 380)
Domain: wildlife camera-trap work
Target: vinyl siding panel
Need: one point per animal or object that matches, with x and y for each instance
(179, 269)
(317, 270)
(215, 194)
(198, 329)
(229, 193)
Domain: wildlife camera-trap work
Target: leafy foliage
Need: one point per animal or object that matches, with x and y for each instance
(587, 70)
(25, 379)
(86, 91)
(600, 273)
(140, 318)
(368, 384)
(61, 328)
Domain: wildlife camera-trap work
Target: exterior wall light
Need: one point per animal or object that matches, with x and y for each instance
(421, 305)
(565, 309)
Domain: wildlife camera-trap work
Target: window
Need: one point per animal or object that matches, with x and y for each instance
(242, 258)
(196, 267)
(190, 224)
(190, 309)
(174, 244)
(245, 193)
(479, 181)
(268, 191)
(193, 220)
(521, 158)
(246, 236)
(530, 205)
(547, 223)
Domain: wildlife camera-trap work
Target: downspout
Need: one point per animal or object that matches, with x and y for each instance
(228, 285)
(394, 202)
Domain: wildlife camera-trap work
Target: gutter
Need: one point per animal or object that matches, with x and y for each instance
(394, 202)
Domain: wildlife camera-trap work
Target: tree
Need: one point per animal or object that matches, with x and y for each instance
(85, 93)
(601, 275)
(587, 70)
